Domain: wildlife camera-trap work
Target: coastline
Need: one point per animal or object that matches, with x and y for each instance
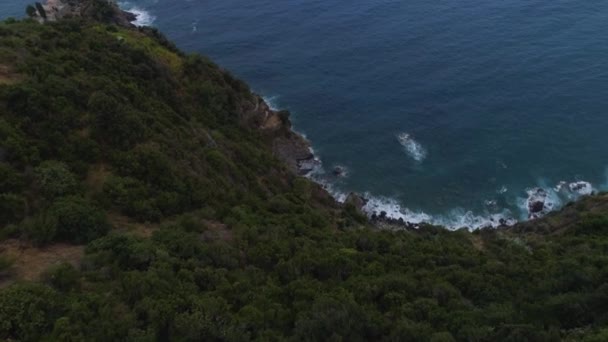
(293, 149)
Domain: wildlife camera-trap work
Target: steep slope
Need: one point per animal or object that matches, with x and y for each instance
(181, 186)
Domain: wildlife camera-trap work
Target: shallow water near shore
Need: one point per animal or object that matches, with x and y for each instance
(451, 112)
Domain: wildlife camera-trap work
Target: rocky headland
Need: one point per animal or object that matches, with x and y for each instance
(105, 11)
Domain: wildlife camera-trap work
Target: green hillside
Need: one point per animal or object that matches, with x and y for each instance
(145, 196)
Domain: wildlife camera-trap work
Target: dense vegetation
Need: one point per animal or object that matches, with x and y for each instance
(102, 126)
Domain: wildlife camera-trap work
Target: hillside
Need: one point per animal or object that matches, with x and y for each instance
(148, 195)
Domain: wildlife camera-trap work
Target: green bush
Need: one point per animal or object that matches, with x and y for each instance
(10, 179)
(55, 179)
(63, 277)
(41, 229)
(77, 220)
(27, 311)
(12, 208)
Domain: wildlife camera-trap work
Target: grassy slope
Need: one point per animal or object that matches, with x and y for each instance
(210, 238)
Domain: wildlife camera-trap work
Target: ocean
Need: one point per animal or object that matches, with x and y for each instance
(449, 112)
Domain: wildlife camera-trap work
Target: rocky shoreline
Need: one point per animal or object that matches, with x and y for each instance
(53, 10)
(290, 147)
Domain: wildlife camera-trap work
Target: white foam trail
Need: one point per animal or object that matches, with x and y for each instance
(411, 146)
(144, 18)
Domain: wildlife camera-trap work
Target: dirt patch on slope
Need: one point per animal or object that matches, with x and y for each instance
(7, 76)
(30, 262)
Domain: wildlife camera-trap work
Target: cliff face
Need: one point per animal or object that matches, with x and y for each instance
(289, 146)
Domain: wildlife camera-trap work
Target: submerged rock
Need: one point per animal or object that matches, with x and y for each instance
(339, 171)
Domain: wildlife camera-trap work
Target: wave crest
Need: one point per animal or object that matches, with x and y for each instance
(413, 148)
(144, 18)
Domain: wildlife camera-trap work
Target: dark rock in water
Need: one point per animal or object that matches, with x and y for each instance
(339, 171)
(502, 221)
(383, 215)
(536, 201)
(536, 206)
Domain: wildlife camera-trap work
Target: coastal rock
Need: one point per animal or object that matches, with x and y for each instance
(536, 202)
(288, 146)
(356, 200)
(339, 171)
(536, 206)
(57, 9)
(308, 165)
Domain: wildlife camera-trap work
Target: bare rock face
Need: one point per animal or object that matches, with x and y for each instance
(289, 146)
(101, 10)
(356, 200)
(536, 202)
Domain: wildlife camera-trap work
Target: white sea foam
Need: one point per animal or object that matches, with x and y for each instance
(271, 101)
(560, 186)
(454, 219)
(413, 148)
(144, 18)
(552, 197)
(581, 188)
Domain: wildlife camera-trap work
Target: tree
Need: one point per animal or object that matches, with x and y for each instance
(27, 311)
(12, 208)
(30, 11)
(55, 179)
(78, 221)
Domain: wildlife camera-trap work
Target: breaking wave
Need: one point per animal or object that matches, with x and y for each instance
(454, 219)
(144, 18)
(544, 199)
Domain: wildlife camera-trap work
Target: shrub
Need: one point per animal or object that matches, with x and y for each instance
(78, 221)
(12, 208)
(10, 179)
(41, 229)
(55, 179)
(27, 311)
(62, 277)
(30, 11)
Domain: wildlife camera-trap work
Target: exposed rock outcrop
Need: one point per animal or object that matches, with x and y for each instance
(289, 146)
(102, 10)
(357, 201)
(536, 202)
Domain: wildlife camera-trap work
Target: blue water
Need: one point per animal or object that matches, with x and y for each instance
(495, 95)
